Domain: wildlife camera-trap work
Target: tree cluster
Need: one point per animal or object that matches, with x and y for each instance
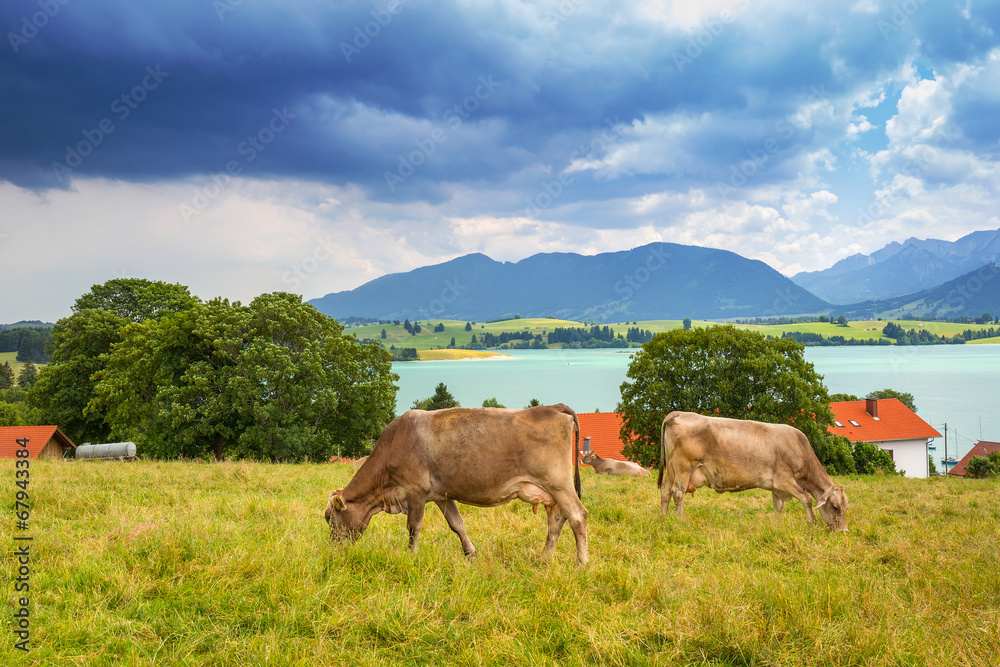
(487, 339)
(922, 337)
(969, 334)
(904, 396)
(812, 339)
(643, 336)
(441, 399)
(273, 380)
(403, 353)
(29, 343)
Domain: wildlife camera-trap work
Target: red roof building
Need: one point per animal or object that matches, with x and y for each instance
(603, 429)
(981, 448)
(890, 425)
(44, 442)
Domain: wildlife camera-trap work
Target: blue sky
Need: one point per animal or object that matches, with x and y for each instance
(247, 146)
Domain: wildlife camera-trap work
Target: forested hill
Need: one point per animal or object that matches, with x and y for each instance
(656, 281)
(970, 295)
(28, 340)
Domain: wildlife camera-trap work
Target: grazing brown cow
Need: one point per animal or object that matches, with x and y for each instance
(476, 456)
(735, 455)
(604, 466)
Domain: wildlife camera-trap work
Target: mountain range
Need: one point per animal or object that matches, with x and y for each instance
(970, 295)
(901, 268)
(655, 281)
(672, 281)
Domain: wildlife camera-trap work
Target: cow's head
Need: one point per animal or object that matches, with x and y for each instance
(833, 508)
(588, 458)
(346, 519)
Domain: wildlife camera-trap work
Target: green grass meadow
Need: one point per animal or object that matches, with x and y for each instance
(16, 366)
(181, 563)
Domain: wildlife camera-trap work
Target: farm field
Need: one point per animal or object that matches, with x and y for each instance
(11, 358)
(184, 563)
(428, 339)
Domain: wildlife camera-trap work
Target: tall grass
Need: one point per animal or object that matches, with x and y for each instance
(231, 564)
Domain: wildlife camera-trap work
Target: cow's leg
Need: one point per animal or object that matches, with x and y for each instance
(569, 507)
(667, 490)
(414, 517)
(682, 478)
(779, 501)
(800, 494)
(454, 518)
(556, 521)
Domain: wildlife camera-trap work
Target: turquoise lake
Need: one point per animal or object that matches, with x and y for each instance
(953, 384)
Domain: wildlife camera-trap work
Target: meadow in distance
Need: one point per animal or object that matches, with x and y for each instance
(432, 345)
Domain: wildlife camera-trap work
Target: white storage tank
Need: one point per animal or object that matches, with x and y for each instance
(111, 450)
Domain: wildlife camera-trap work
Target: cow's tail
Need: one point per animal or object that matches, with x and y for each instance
(565, 409)
(667, 421)
(576, 457)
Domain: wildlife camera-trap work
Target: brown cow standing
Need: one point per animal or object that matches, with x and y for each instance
(735, 455)
(476, 456)
(604, 466)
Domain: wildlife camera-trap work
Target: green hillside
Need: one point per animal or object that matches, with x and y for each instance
(11, 358)
(428, 339)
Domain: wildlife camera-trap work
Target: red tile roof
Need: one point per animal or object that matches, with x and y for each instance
(981, 448)
(603, 429)
(38, 437)
(895, 421)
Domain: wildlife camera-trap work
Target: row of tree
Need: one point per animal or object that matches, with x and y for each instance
(442, 398)
(273, 380)
(918, 337)
(813, 339)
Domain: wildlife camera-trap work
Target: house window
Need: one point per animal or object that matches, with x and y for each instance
(853, 423)
(890, 454)
(838, 424)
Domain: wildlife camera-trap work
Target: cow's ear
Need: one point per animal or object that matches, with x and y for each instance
(337, 499)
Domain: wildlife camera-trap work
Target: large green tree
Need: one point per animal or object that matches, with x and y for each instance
(81, 342)
(10, 415)
(136, 299)
(274, 380)
(65, 385)
(727, 372)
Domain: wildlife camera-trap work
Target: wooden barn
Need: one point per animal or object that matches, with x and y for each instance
(44, 442)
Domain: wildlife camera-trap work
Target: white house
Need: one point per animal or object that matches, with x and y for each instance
(891, 426)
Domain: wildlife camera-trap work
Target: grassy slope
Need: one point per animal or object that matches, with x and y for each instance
(427, 339)
(230, 564)
(11, 358)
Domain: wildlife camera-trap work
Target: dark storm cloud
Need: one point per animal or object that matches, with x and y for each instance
(369, 89)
